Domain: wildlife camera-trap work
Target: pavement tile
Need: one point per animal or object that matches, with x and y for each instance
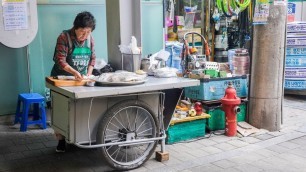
(52, 143)
(238, 143)
(289, 145)
(206, 142)
(248, 168)
(197, 152)
(266, 153)
(193, 145)
(172, 161)
(301, 141)
(225, 146)
(299, 152)
(278, 149)
(20, 148)
(13, 156)
(264, 136)
(36, 146)
(32, 153)
(210, 168)
(246, 158)
(224, 164)
(211, 149)
(250, 139)
(183, 156)
(220, 138)
(152, 163)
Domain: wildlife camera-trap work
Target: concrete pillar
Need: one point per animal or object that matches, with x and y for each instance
(123, 21)
(266, 86)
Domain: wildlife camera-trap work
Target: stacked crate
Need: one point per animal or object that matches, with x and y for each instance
(210, 92)
(295, 67)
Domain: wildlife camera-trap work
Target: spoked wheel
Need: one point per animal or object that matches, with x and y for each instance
(130, 120)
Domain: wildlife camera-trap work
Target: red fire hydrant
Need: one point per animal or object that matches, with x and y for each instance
(230, 103)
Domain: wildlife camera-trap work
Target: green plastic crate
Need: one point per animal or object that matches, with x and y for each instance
(211, 72)
(186, 131)
(217, 116)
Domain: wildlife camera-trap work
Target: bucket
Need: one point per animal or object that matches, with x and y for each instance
(130, 62)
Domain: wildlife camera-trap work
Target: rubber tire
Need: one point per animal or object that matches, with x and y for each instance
(103, 123)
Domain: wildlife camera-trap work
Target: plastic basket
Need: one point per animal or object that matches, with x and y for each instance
(186, 131)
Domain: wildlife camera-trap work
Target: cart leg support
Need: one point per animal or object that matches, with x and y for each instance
(162, 155)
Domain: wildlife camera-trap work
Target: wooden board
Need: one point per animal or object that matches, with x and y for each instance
(65, 83)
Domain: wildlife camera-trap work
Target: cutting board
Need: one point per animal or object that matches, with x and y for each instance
(65, 83)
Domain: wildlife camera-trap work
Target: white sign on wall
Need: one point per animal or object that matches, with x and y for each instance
(18, 22)
(15, 14)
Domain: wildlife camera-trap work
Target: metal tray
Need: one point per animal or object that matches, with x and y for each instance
(104, 83)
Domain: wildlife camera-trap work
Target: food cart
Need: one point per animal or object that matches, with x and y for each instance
(126, 122)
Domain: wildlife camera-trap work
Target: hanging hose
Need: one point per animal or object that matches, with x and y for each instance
(243, 5)
(230, 7)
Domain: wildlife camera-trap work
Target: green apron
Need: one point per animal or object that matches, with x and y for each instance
(78, 58)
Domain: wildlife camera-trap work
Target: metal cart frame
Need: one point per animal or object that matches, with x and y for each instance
(125, 122)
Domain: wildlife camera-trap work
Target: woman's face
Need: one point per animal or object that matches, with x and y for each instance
(82, 33)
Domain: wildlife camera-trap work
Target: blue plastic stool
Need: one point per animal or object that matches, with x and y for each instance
(39, 113)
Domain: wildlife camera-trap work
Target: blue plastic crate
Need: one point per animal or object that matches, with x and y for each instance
(214, 89)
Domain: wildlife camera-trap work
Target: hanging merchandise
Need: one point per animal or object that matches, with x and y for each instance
(221, 42)
(261, 12)
(232, 7)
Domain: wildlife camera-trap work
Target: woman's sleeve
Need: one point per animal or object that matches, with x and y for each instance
(93, 53)
(61, 51)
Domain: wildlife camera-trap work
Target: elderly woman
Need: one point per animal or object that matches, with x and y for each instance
(74, 55)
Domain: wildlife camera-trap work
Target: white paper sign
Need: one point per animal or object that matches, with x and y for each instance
(15, 16)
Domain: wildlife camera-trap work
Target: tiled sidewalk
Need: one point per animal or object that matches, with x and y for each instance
(284, 150)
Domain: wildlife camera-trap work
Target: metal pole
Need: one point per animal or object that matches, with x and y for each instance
(266, 89)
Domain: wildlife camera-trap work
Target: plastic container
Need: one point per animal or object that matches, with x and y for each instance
(240, 62)
(174, 59)
(217, 116)
(131, 62)
(213, 89)
(230, 55)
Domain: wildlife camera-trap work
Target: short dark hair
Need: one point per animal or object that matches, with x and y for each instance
(84, 19)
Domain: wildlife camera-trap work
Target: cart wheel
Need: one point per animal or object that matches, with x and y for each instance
(126, 121)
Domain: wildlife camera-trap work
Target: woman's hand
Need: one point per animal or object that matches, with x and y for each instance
(78, 76)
